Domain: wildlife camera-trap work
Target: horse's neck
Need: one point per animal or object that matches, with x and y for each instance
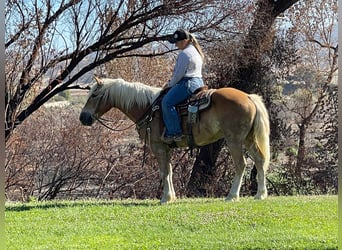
(134, 112)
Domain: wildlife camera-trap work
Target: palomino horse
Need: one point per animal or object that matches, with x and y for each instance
(240, 118)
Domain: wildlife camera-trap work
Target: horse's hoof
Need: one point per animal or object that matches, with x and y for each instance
(232, 199)
(168, 200)
(163, 202)
(260, 196)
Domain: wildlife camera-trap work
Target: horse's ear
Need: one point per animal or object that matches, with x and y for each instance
(98, 80)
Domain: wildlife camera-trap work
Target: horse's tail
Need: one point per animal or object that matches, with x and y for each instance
(261, 128)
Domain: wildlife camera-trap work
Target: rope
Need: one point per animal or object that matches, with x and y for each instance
(148, 118)
(145, 147)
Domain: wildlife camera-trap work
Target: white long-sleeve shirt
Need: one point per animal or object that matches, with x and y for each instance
(189, 64)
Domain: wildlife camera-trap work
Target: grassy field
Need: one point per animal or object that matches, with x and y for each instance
(307, 222)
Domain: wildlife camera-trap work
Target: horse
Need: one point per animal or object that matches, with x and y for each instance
(240, 118)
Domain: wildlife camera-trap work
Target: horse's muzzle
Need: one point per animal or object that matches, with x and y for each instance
(86, 118)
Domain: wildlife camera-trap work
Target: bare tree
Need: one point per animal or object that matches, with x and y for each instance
(50, 46)
(322, 52)
(310, 116)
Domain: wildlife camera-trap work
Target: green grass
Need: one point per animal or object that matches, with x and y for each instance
(306, 222)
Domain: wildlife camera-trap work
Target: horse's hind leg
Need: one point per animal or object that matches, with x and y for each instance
(240, 165)
(261, 167)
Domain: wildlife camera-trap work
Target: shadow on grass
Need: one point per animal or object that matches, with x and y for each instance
(67, 204)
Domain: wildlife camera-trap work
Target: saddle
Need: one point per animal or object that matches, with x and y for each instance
(192, 107)
(201, 99)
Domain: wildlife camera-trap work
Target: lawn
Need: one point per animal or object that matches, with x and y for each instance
(302, 222)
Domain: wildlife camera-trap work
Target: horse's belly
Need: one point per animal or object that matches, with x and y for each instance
(207, 132)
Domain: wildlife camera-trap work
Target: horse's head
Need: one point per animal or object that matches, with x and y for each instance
(96, 104)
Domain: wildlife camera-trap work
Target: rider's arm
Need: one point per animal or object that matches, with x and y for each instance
(180, 69)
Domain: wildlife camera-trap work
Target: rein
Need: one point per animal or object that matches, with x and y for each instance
(145, 119)
(102, 120)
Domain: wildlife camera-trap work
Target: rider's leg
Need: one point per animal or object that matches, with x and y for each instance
(176, 95)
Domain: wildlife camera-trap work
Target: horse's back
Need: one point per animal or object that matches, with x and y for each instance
(231, 95)
(234, 103)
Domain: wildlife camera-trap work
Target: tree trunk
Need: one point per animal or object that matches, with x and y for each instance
(301, 150)
(204, 170)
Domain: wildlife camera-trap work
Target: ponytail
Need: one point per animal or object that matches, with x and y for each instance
(196, 44)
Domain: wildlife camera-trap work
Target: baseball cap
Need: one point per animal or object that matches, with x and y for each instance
(179, 35)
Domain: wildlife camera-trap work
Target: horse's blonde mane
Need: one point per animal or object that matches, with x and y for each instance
(126, 94)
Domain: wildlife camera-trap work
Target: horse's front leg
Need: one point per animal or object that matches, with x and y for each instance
(162, 154)
(169, 194)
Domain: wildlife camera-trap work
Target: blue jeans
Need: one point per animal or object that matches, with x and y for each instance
(177, 94)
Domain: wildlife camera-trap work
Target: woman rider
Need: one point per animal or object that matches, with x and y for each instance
(186, 79)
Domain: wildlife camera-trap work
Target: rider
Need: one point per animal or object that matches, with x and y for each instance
(186, 79)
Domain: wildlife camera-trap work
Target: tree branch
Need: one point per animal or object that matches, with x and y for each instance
(329, 46)
(281, 5)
